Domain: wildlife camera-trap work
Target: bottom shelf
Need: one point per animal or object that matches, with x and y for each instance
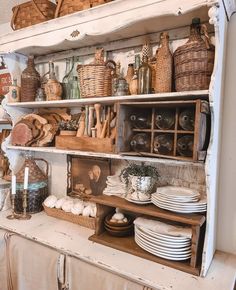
(128, 245)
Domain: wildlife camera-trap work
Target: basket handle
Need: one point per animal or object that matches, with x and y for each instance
(59, 3)
(47, 166)
(15, 11)
(37, 8)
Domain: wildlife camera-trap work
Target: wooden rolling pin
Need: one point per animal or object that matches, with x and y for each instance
(86, 121)
(90, 120)
(98, 125)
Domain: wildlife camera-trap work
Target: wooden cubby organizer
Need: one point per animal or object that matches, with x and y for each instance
(107, 204)
(200, 133)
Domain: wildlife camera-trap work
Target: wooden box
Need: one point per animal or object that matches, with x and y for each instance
(103, 145)
(149, 111)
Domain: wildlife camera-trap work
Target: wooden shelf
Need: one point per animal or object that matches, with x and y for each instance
(54, 150)
(5, 122)
(149, 209)
(202, 94)
(128, 245)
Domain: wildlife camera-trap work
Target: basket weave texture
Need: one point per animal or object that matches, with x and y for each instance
(194, 64)
(32, 12)
(65, 7)
(96, 79)
(83, 221)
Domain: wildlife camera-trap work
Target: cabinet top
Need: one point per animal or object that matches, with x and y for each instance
(112, 21)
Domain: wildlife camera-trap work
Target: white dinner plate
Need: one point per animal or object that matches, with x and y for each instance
(183, 206)
(156, 253)
(178, 191)
(195, 210)
(164, 237)
(177, 199)
(163, 247)
(180, 202)
(158, 241)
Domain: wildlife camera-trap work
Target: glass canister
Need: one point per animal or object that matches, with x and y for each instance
(140, 142)
(37, 186)
(165, 119)
(30, 82)
(187, 119)
(163, 144)
(185, 145)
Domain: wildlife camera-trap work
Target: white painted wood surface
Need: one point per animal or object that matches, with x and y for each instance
(128, 18)
(73, 240)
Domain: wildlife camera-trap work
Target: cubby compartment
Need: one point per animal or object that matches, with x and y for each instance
(178, 129)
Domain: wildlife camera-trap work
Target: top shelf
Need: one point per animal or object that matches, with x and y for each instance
(190, 95)
(113, 21)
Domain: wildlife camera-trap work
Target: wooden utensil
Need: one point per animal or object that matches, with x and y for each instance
(98, 125)
(91, 120)
(86, 121)
(80, 131)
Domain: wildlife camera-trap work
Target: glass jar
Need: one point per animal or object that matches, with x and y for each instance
(140, 121)
(140, 142)
(165, 119)
(163, 144)
(185, 145)
(187, 119)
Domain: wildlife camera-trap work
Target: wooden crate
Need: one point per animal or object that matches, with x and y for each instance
(107, 204)
(200, 133)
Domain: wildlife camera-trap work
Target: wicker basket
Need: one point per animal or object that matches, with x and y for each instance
(194, 61)
(96, 79)
(65, 7)
(32, 12)
(83, 221)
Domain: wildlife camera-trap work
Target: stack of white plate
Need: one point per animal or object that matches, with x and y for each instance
(163, 245)
(179, 199)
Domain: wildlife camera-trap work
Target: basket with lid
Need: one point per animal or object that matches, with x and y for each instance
(95, 79)
(37, 187)
(194, 61)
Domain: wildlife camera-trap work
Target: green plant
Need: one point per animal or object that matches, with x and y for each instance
(138, 170)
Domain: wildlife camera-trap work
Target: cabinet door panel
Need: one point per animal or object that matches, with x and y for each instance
(84, 276)
(33, 266)
(3, 262)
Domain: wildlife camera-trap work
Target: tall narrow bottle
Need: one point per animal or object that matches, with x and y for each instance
(53, 88)
(164, 65)
(133, 85)
(66, 78)
(145, 74)
(14, 92)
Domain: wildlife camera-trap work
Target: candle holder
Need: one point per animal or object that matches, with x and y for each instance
(24, 215)
(13, 215)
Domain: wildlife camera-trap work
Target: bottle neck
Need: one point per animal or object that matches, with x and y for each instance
(51, 71)
(14, 82)
(195, 32)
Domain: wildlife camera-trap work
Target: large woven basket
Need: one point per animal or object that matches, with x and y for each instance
(96, 79)
(32, 12)
(83, 221)
(194, 62)
(65, 7)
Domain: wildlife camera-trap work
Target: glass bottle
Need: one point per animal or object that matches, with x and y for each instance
(130, 73)
(53, 88)
(164, 65)
(40, 96)
(140, 121)
(14, 92)
(186, 119)
(185, 145)
(140, 142)
(133, 86)
(163, 144)
(145, 77)
(67, 81)
(115, 78)
(74, 88)
(165, 119)
(30, 81)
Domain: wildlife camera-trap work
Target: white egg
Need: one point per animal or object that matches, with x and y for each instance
(112, 221)
(67, 206)
(94, 211)
(79, 207)
(87, 211)
(60, 202)
(118, 216)
(125, 220)
(50, 201)
(75, 211)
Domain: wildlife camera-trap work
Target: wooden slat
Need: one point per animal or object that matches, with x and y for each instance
(149, 209)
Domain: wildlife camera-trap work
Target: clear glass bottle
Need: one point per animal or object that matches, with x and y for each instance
(145, 77)
(140, 142)
(133, 86)
(67, 80)
(115, 78)
(53, 88)
(140, 121)
(185, 145)
(165, 119)
(163, 144)
(74, 88)
(40, 96)
(186, 119)
(14, 92)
